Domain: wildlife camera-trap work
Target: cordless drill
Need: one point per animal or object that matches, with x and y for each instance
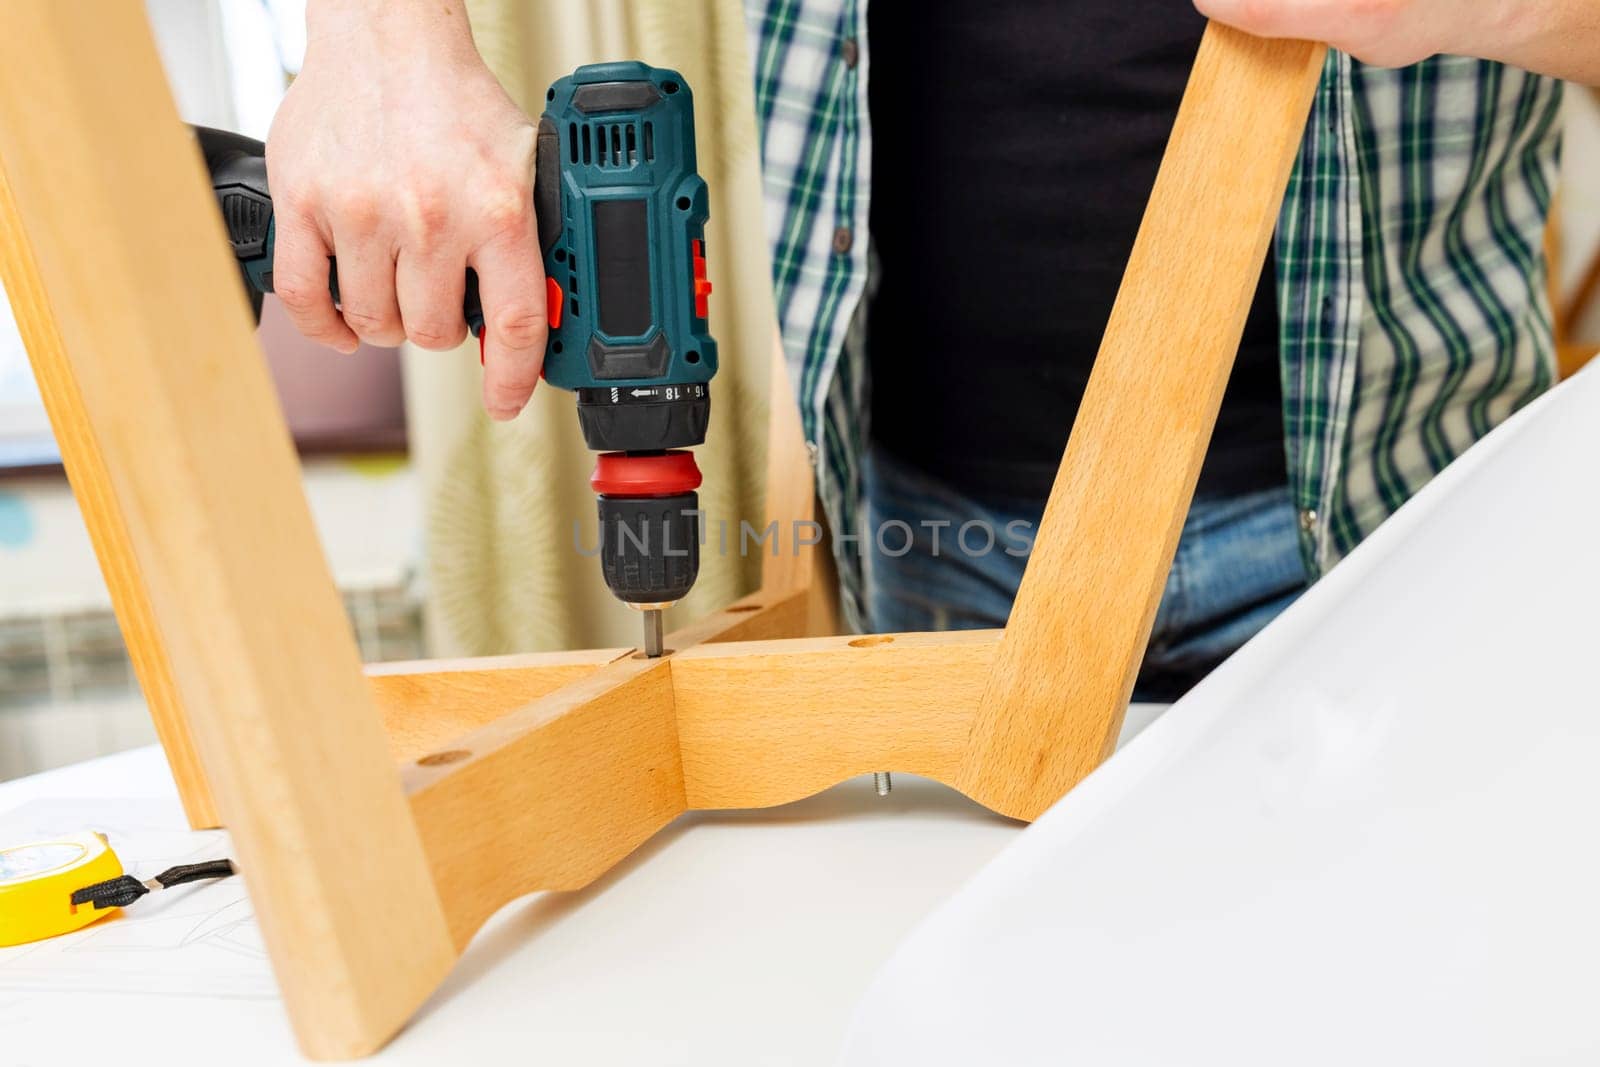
(621, 213)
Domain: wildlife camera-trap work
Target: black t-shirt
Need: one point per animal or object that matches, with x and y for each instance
(1014, 145)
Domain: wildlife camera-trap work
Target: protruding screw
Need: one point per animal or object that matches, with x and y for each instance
(653, 639)
(882, 782)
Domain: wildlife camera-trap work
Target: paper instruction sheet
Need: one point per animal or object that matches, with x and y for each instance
(192, 940)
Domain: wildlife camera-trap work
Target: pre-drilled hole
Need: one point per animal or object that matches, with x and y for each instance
(439, 759)
(871, 642)
(664, 652)
(737, 608)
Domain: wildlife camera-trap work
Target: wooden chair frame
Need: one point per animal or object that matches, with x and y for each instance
(1568, 312)
(536, 772)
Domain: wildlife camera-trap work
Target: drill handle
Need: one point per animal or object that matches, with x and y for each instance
(238, 168)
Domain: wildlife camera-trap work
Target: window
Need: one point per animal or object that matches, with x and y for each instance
(229, 63)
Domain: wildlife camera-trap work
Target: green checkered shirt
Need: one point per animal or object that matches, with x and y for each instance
(1411, 274)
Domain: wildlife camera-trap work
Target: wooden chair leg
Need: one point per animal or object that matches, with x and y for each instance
(122, 283)
(792, 504)
(1567, 315)
(108, 528)
(1573, 354)
(1077, 634)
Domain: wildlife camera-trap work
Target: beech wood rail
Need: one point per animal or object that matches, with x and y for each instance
(368, 883)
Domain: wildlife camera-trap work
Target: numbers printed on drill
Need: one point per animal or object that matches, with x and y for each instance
(690, 391)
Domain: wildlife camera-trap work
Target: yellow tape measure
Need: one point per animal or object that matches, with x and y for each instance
(37, 881)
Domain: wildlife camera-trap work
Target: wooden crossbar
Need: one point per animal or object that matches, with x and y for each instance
(371, 812)
(636, 743)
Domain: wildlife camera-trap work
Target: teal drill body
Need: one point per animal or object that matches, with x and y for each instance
(632, 217)
(622, 214)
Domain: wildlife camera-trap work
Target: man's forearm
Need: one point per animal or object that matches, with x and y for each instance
(378, 23)
(1555, 37)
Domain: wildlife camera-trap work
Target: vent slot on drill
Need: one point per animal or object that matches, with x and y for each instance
(611, 144)
(572, 286)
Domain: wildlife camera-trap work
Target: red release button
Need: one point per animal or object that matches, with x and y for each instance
(553, 299)
(702, 287)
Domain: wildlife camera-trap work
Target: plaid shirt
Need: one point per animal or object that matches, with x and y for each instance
(1411, 274)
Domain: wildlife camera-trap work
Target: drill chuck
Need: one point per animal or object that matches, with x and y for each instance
(650, 547)
(649, 525)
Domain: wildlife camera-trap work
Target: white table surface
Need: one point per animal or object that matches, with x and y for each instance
(731, 938)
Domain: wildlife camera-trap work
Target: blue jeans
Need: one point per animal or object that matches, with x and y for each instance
(1238, 565)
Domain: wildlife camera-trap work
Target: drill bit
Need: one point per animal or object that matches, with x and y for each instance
(652, 632)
